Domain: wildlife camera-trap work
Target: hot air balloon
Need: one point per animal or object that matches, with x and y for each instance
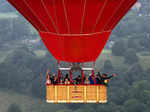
(74, 31)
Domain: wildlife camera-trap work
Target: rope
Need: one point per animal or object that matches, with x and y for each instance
(99, 15)
(120, 16)
(65, 11)
(82, 22)
(51, 19)
(27, 17)
(93, 72)
(35, 15)
(113, 14)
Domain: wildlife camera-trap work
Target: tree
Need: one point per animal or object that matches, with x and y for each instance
(134, 105)
(118, 48)
(130, 56)
(14, 108)
(134, 73)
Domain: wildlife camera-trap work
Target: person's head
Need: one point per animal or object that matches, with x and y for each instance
(54, 75)
(66, 80)
(98, 73)
(90, 74)
(79, 77)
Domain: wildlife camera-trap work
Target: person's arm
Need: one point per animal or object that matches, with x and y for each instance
(109, 77)
(113, 75)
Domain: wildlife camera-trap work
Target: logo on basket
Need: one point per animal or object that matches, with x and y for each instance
(76, 91)
(76, 97)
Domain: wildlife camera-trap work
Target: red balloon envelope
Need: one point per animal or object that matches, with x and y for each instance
(74, 30)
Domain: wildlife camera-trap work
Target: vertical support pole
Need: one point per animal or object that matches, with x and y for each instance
(56, 100)
(68, 94)
(58, 76)
(58, 64)
(85, 99)
(97, 94)
(70, 73)
(82, 77)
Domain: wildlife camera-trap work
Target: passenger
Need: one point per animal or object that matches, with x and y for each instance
(61, 77)
(55, 79)
(50, 76)
(67, 80)
(61, 81)
(86, 80)
(48, 81)
(105, 78)
(91, 79)
(98, 78)
(78, 80)
(51, 79)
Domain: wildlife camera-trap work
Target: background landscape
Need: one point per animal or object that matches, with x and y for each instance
(24, 60)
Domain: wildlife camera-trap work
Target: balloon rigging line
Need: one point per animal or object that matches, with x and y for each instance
(35, 14)
(65, 11)
(50, 17)
(113, 14)
(27, 17)
(114, 23)
(83, 16)
(99, 15)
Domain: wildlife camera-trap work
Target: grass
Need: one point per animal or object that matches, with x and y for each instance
(106, 51)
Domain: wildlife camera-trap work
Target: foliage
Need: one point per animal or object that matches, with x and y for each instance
(14, 108)
(119, 48)
(130, 56)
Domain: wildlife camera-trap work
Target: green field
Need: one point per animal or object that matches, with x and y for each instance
(4, 54)
(40, 53)
(8, 15)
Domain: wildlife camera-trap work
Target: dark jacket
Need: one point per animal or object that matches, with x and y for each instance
(91, 80)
